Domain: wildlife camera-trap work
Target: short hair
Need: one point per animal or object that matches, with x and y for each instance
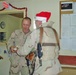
(27, 18)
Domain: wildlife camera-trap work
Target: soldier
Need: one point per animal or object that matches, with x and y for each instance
(43, 40)
(16, 41)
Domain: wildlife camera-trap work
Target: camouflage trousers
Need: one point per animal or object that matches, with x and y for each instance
(49, 67)
(23, 71)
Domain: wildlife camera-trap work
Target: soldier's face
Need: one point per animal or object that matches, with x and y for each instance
(26, 25)
(38, 23)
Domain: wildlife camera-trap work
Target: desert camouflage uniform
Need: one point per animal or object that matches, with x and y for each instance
(17, 62)
(50, 62)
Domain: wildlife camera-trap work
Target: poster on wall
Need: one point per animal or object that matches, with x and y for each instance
(66, 6)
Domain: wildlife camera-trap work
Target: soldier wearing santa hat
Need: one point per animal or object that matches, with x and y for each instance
(43, 40)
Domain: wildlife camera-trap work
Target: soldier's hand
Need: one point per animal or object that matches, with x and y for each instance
(13, 49)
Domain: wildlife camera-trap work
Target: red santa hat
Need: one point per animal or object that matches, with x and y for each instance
(43, 16)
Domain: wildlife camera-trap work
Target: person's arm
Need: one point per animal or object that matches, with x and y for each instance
(30, 43)
(11, 42)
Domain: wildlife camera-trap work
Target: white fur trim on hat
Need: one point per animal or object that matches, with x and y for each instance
(43, 19)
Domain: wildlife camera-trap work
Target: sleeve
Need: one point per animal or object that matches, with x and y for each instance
(10, 42)
(30, 43)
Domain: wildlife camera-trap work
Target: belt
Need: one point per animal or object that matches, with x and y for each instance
(49, 44)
